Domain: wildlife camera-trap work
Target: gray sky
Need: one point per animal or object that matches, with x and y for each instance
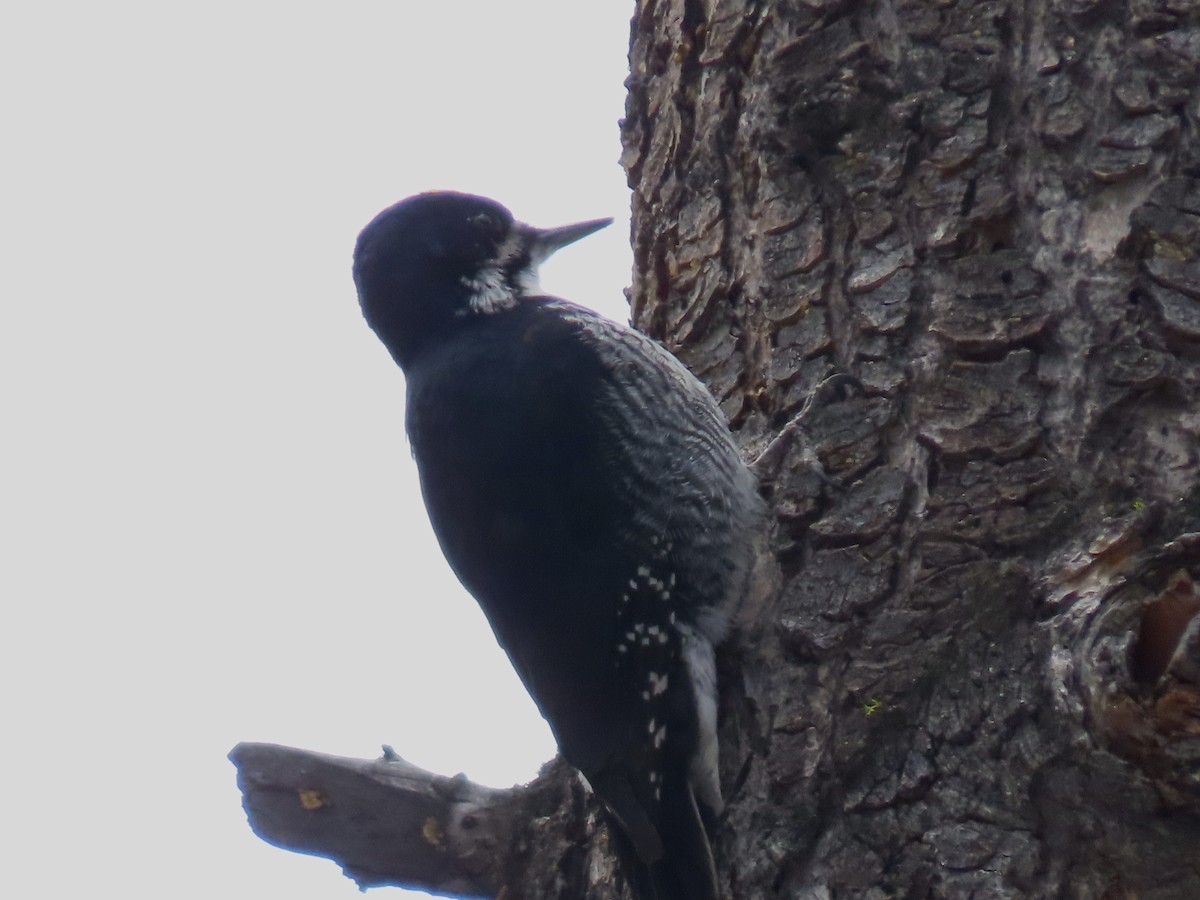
(211, 525)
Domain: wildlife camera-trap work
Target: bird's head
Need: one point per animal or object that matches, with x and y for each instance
(432, 261)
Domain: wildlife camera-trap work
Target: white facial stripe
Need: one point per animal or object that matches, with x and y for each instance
(492, 290)
(528, 282)
(489, 292)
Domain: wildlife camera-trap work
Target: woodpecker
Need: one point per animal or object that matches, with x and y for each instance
(585, 489)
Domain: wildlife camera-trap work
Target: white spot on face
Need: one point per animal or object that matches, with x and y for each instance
(491, 291)
(528, 281)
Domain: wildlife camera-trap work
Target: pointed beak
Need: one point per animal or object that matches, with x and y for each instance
(549, 240)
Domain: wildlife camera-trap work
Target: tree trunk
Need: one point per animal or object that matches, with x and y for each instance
(981, 676)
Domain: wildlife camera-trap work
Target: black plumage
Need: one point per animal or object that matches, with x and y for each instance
(585, 489)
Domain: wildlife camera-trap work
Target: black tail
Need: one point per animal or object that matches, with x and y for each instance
(686, 870)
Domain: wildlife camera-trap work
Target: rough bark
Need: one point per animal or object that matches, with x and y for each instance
(982, 674)
(988, 213)
(388, 822)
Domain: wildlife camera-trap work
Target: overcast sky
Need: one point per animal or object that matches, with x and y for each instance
(212, 530)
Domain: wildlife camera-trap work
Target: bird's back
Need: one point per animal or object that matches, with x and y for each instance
(562, 470)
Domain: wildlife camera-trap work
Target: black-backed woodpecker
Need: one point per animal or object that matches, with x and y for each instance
(585, 489)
